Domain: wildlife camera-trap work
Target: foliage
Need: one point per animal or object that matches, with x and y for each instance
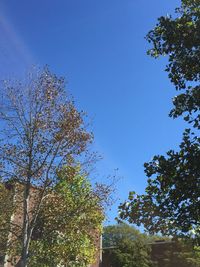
(126, 246)
(171, 203)
(41, 131)
(179, 39)
(69, 223)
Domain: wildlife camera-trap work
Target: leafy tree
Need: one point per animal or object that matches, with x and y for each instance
(126, 246)
(179, 38)
(69, 223)
(171, 203)
(41, 131)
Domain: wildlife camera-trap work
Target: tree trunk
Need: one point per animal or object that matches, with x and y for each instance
(25, 232)
(20, 263)
(24, 256)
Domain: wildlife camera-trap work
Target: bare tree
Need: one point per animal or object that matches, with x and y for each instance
(41, 130)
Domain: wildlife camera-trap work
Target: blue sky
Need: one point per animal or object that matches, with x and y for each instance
(99, 47)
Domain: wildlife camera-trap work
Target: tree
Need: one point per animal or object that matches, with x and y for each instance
(69, 223)
(41, 131)
(179, 39)
(126, 246)
(171, 203)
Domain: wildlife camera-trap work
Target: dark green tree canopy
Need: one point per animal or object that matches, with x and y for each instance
(179, 39)
(171, 202)
(126, 246)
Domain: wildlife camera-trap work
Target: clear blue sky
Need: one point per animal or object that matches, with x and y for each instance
(99, 46)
